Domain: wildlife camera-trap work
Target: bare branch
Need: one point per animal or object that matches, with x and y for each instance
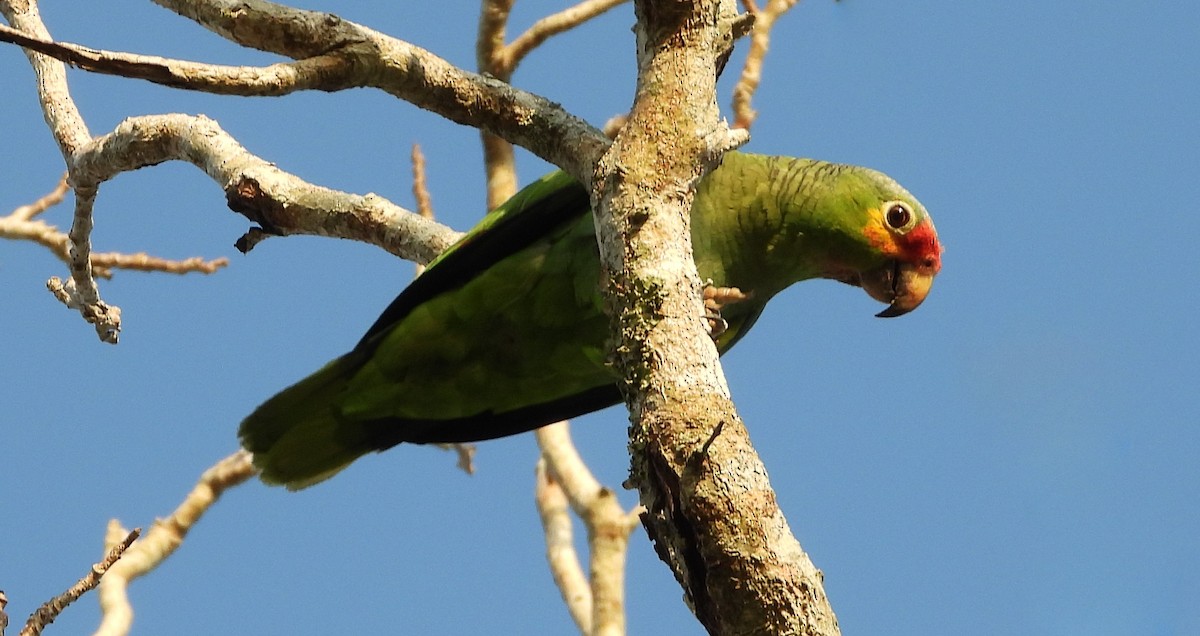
(567, 467)
(420, 190)
(554, 510)
(143, 262)
(53, 607)
(552, 25)
(608, 529)
(282, 203)
(341, 54)
(66, 124)
(70, 131)
(499, 160)
(743, 92)
(45, 202)
(420, 187)
(21, 225)
(324, 72)
(162, 540)
(500, 61)
(711, 511)
(489, 43)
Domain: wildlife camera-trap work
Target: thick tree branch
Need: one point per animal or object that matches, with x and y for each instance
(281, 203)
(339, 54)
(711, 510)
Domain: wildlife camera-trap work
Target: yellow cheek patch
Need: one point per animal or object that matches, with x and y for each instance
(879, 236)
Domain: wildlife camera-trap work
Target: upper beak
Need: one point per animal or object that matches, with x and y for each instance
(903, 285)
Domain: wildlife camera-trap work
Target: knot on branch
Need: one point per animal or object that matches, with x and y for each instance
(246, 197)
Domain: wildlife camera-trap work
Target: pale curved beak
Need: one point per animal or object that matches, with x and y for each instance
(903, 286)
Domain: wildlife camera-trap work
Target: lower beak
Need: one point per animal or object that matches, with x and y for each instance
(903, 286)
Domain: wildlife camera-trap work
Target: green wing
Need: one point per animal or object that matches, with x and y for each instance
(485, 343)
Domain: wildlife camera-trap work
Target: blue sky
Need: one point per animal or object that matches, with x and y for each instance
(1016, 457)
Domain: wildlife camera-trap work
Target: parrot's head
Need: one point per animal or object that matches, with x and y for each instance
(899, 253)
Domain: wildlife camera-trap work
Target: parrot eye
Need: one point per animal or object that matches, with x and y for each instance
(898, 216)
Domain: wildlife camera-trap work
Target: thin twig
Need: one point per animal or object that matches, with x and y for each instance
(552, 25)
(608, 527)
(52, 608)
(561, 556)
(164, 537)
(500, 61)
(22, 225)
(420, 190)
(45, 202)
(760, 39)
(420, 187)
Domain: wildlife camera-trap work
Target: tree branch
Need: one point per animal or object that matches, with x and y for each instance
(561, 556)
(337, 54)
(53, 607)
(550, 26)
(162, 540)
(598, 608)
(499, 160)
(281, 203)
(760, 39)
(21, 225)
(323, 72)
(711, 510)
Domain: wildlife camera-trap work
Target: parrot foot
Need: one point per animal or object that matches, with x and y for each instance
(715, 298)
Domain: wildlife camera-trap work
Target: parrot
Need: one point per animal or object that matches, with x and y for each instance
(505, 331)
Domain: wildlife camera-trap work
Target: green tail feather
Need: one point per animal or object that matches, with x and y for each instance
(298, 437)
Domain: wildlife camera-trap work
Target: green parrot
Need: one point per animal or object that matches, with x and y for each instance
(505, 332)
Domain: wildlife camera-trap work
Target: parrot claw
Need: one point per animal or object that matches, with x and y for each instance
(715, 298)
(716, 324)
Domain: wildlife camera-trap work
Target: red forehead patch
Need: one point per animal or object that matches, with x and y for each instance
(922, 247)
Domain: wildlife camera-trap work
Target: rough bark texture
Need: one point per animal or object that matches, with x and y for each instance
(711, 511)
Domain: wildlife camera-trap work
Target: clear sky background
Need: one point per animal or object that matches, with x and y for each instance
(1019, 456)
